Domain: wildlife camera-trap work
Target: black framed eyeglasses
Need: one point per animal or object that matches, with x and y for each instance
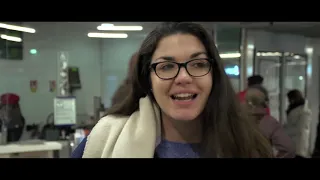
(168, 69)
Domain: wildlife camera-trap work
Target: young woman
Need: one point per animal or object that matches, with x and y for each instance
(298, 124)
(180, 104)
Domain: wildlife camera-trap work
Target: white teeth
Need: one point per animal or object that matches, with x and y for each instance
(184, 95)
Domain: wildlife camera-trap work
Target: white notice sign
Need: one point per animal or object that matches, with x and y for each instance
(65, 111)
(63, 56)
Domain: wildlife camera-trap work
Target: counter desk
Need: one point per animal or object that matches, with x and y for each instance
(45, 149)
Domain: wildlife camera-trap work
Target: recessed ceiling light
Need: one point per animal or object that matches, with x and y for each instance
(107, 35)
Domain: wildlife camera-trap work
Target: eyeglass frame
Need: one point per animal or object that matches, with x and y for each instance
(153, 66)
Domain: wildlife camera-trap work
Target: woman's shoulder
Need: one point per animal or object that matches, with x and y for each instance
(107, 128)
(268, 123)
(298, 112)
(269, 119)
(110, 121)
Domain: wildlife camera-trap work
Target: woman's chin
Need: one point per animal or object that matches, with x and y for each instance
(184, 116)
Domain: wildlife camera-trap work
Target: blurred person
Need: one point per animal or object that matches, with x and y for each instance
(180, 104)
(11, 116)
(255, 80)
(298, 125)
(316, 151)
(257, 103)
(117, 98)
(251, 81)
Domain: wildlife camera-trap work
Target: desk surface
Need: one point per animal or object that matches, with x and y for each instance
(21, 148)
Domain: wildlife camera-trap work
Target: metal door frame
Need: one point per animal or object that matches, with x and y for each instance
(305, 56)
(282, 73)
(256, 67)
(256, 70)
(284, 79)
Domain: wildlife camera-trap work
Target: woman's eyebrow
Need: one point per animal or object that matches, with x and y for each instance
(198, 54)
(167, 58)
(171, 58)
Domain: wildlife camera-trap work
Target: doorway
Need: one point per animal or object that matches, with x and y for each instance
(282, 72)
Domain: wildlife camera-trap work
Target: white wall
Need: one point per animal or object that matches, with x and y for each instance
(96, 58)
(49, 40)
(313, 85)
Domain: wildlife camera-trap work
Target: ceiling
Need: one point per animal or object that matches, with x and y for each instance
(308, 29)
(147, 26)
(92, 26)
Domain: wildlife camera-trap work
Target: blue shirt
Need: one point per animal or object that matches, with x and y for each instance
(169, 149)
(166, 149)
(78, 152)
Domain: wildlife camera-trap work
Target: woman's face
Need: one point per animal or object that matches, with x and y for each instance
(183, 97)
(290, 101)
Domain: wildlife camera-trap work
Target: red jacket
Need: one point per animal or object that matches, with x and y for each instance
(242, 97)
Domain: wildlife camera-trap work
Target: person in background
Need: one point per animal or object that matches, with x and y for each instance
(255, 80)
(180, 104)
(298, 125)
(11, 116)
(256, 103)
(120, 94)
(316, 151)
(251, 81)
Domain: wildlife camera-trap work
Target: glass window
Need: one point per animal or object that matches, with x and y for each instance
(228, 40)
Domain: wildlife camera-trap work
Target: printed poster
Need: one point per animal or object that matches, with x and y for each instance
(52, 86)
(33, 86)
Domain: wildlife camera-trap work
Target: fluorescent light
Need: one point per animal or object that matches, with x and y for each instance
(230, 55)
(309, 50)
(107, 35)
(106, 25)
(296, 57)
(33, 51)
(300, 78)
(269, 54)
(10, 38)
(17, 28)
(119, 28)
(250, 46)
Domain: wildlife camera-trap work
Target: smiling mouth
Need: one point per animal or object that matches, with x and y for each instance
(184, 97)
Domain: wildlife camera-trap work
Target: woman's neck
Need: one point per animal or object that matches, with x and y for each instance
(181, 131)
